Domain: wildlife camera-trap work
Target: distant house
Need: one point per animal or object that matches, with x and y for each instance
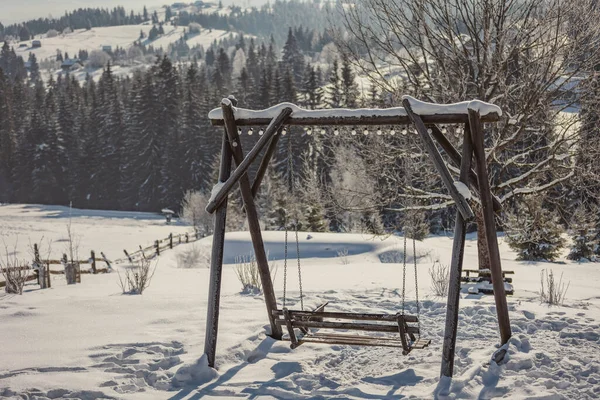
(36, 43)
(71, 64)
(107, 49)
(201, 4)
(22, 45)
(178, 5)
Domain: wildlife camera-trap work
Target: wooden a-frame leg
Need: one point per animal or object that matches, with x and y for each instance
(216, 261)
(458, 251)
(490, 226)
(253, 222)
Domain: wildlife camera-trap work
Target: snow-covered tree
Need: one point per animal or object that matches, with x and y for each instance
(583, 233)
(535, 232)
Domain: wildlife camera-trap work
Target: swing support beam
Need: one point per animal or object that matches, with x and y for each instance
(477, 179)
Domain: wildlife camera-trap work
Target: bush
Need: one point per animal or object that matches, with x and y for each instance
(52, 33)
(552, 292)
(535, 232)
(15, 273)
(440, 275)
(194, 212)
(98, 59)
(67, 30)
(194, 28)
(137, 277)
(193, 257)
(248, 274)
(343, 256)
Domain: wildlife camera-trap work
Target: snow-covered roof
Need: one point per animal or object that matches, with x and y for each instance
(383, 116)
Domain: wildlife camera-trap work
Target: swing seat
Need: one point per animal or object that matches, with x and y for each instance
(380, 323)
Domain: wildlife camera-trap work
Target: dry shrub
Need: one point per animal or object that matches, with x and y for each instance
(137, 277)
(193, 257)
(15, 273)
(440, 275)
(343, 256)
(248, 274)
(552, 292)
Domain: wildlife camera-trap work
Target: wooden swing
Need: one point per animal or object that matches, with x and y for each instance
(424, 117)
(406, 328)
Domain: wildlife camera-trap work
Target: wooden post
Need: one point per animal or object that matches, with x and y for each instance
(94, 270)
(490, 226)
(216, 261)
(178, 239)
(43, 276)
(458, 251)
(128, 256)
(157, 245)
(252, 215)
(456, 159)
(187, 238)
(436, 157)
(36, 256)
(106, 260)
(170, 240)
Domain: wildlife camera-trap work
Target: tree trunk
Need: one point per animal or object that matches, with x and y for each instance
(482, 249)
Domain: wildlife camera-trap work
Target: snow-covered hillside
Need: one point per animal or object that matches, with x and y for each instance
(90, 341)
(121, 36)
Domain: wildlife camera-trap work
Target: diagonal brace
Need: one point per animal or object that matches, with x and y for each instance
(244, 165)
(436, 157)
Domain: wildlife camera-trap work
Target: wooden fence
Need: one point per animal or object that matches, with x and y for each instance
(159, 246)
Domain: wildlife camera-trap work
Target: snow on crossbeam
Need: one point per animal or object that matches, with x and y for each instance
(429, 112)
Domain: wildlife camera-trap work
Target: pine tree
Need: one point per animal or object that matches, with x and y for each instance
(7, 138)
(535, 232)
(145, 14)
(583, 228)
(349, 87)
(311, 90)
(264, 91)
(34, 69)
(293, 57)
(288, 88)
(334, 90)
(242, 92)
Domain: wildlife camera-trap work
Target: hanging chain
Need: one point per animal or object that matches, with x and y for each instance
(299, 269)
(416, 285)
(404, 276)
(285, 257)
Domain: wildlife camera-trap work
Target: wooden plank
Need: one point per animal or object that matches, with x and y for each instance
(290, 328)
(486, 271)
(348, 315)
(490, 226)
(458, 252)
(392, 120)
(252, 215)
(245, 163)
(436, 157)
(216, 261)
(456, 159)
(264, 164)
(347, 325)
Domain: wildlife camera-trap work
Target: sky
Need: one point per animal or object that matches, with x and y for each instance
(12, 11)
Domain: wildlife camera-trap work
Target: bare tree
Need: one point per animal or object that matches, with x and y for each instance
(526, 56)
(194, 213)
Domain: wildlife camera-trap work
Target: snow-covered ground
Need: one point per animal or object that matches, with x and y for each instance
(90, 341)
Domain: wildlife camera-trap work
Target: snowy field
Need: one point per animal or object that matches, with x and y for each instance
(89, 341)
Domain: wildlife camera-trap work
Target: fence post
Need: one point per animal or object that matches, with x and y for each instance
(170, 240)
(106, 261)
(157, 245)
(94, 262)
(36, 255)
(179, 239)
(187, 238)
(128, 256)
